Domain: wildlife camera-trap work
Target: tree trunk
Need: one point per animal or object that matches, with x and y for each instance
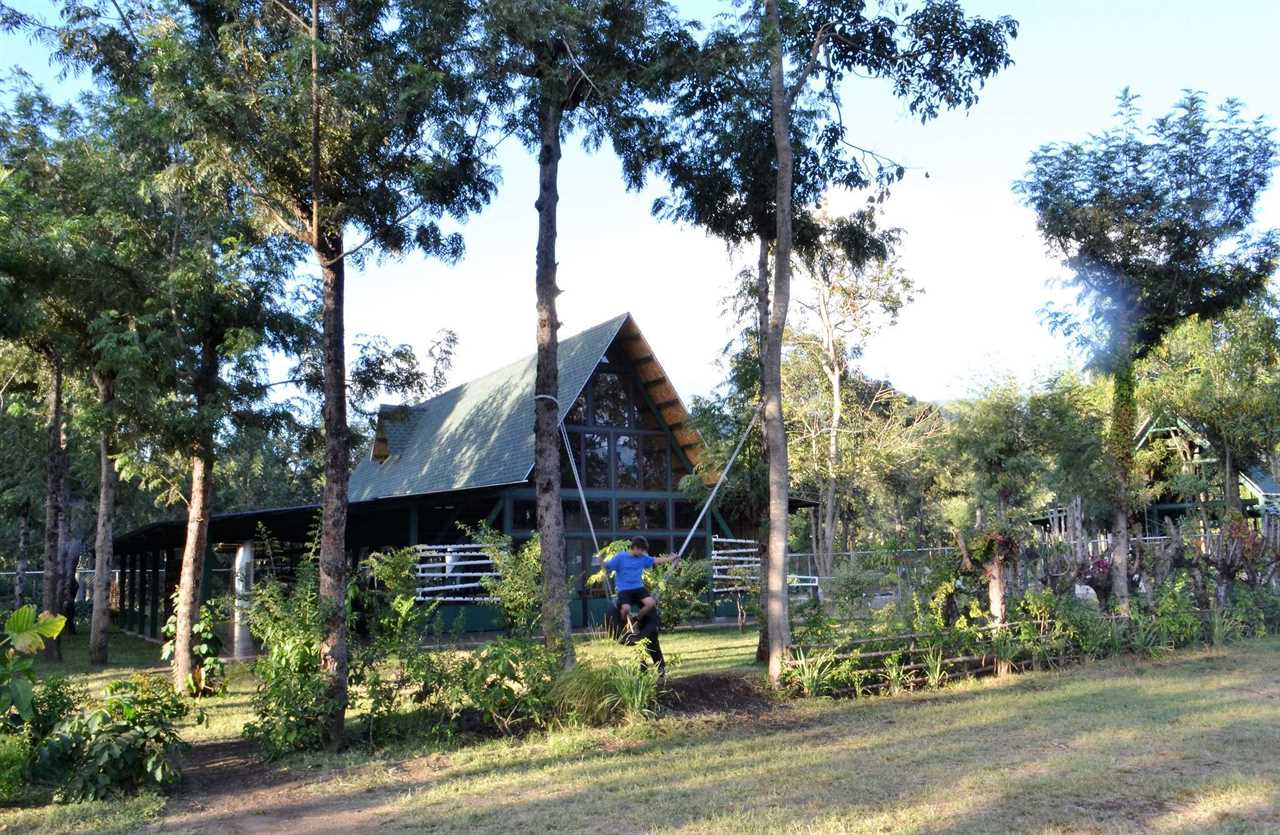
(835, 377)
(103, 540)
(557, 625)
(192, 573)
(762, 532)
(771, 379)
(1230, 482)
(20, 574)
(333, 537)
(54, 475)
(994, 570)
(1123, 426)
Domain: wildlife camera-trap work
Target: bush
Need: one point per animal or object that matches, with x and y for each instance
(125, 742)
(208, 676)
(291, 701)
(1177, 623)
(849, 587)
(509, 684)
(811, 674)
(15, 754)
(517, 587)
(681, 589)
(624, 688)
(54, 700)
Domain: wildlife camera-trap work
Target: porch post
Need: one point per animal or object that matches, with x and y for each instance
(242, 640)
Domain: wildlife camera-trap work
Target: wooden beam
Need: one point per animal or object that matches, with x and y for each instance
(645, 360)
(666, 404)
(655, 382)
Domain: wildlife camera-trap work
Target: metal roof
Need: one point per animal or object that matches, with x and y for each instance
(479, 434)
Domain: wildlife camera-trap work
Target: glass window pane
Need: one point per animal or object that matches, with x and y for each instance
(610, 401)
(655, 462)
(686, 512)
(628, 461)
(655, 516)
(578, 414)
(630, 516)
(600, 514)
(648, 418)
(697, 549)
(566, 473)
(596, 459)
(574, 520)
(524, 515)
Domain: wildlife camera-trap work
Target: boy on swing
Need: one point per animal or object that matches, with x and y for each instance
(629, 566)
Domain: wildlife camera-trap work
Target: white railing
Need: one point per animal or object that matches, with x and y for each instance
(453, 573)
(735, 567)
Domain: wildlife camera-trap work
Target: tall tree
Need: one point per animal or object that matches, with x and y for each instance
(935, 57)
(853, 288)
(594, 66)
(276, 95)
(1223, 377)
(1154, 222)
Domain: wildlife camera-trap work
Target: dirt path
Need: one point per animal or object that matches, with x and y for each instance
(228, 788)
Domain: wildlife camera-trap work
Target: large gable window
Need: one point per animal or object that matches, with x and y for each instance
(596, 459)
(611, 401)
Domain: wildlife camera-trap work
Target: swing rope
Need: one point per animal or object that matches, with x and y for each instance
(582, 496)
(742, 439)
(702, 512)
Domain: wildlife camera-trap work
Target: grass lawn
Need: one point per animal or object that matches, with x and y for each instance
(1189, 743)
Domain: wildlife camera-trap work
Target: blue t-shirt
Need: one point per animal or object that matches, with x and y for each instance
(630, 569)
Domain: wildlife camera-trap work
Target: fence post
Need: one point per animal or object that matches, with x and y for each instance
(241, 639)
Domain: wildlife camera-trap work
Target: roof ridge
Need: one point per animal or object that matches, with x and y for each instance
(421, 404)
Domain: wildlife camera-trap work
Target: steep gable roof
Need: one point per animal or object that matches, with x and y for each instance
(480, 434)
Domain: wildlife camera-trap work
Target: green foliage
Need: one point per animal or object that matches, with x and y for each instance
(935, 671)
(849, 586)
(54, 700)
(390, 664)
(812, 674)
(633, 685)
(811, 626)
(126, 742)
(291, 700)
(24, 634)
(681, 590)
(517, 588)
(896, 676)
(208, 676)
(509, 684)
(1178, 623)
(622, 688)
(15, 756)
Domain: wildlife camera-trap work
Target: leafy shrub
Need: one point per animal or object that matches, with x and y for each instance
(53, 701)
(291, 700)
(633, 685)
(681, 590)
(510, 682)
(1249, 609)
(517, 587)
(935, 671)
(580, 696)
(1176, 621)
(15, 754)
(811, 674)
(813, 628)
(849, 586)
(849, 676)
(24, 634)
(897, 677)
(127, 741)
(623, 688)
(390, 664)
(208, 676)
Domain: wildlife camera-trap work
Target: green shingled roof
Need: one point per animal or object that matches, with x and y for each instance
(479, 434)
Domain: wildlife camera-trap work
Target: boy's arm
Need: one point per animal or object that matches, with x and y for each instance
(665, 560)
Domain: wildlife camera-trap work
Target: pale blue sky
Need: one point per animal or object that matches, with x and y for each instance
(968, 243)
